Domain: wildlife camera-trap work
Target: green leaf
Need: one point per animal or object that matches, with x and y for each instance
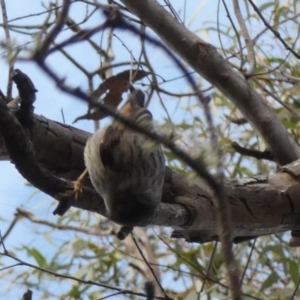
(39, 258)
(185, 126)
(294, 271)
(266, 5)
(273, 277)
(275, 249)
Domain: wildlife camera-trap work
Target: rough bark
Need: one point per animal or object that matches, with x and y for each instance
(260, 205)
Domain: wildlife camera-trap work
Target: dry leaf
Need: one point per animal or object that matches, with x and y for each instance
(113, 88)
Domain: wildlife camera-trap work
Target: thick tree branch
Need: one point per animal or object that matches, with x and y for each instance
(260, 205)
(205, 59)
(22, 155)
(21, 152)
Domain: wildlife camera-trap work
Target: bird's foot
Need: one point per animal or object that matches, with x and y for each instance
(78, 183)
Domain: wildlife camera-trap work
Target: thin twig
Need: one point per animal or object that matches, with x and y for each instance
(148, 265)
(209, 266)
(8, 43)
(43, 50)
(248, 262)
(252, 153)
(275, 32)
(89, 231)
(236, 34)
(246, 36)
(285, 105)
(10, 267)
(3, 245)
(89, 282)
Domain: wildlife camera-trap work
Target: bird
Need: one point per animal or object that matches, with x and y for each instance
(127, 168)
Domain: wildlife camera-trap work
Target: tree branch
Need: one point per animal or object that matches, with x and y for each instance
(246, 36)
(205, 59)
(252, 153)
(260, 205)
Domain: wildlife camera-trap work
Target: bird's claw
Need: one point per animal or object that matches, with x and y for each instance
(78, 184)
(77, 189)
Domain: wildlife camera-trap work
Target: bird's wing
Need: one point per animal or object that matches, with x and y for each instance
(110, 141)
